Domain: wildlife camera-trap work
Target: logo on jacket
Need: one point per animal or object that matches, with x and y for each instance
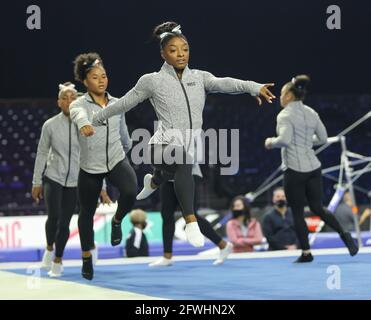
(191, 84)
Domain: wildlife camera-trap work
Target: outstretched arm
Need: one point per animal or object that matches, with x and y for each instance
(142, 91)
(228, 85)
(80, 117)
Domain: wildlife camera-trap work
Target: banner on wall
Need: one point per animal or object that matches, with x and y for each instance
(29, 231)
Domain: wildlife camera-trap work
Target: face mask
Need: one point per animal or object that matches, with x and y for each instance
(237, 213)
(281, 203)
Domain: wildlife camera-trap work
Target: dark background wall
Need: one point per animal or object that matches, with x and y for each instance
(260, 40)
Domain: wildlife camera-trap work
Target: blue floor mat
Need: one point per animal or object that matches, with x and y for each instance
(237, 279)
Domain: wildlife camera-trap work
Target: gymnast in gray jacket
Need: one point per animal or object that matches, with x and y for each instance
(178, 95)
(299, 128)
(102, 155)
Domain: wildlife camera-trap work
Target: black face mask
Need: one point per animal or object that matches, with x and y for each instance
(281, 203)
(239, 213)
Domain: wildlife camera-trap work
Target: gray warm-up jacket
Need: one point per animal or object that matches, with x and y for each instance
(103, 150)
(178, 103)
(59, 150)
(299, 128)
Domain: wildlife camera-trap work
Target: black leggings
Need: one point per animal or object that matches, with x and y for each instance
(299, 187)
(181, 172)
(123, 177)
(169, 204)
(60, 203)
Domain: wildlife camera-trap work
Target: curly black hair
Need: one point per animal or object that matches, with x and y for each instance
(84, 62)
(167, 27)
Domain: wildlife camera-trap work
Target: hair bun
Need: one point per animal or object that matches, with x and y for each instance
(301, 81)
(164, 27)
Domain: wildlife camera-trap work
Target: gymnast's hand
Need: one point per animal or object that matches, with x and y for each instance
(266, 94)
(87, 131)
(104, 197)
(37, 193)
(268, 143)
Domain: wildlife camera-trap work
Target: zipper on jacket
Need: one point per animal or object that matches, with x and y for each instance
(189, 110)
(107, 135)
(107, 139)
(69, 153)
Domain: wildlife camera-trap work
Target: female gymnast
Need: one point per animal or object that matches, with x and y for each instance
(102, 155)
(178, 95)
(299, 128)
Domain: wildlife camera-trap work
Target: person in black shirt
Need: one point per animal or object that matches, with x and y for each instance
(278, 224)
(344, 213)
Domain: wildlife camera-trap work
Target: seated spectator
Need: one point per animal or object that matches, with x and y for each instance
(364, 216)
(136, 242)
(243, 231)
(344, 214)
(278, 225)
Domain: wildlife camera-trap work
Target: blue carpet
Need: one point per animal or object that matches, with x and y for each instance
(104, 252)
(323, 240)
(242, 279)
